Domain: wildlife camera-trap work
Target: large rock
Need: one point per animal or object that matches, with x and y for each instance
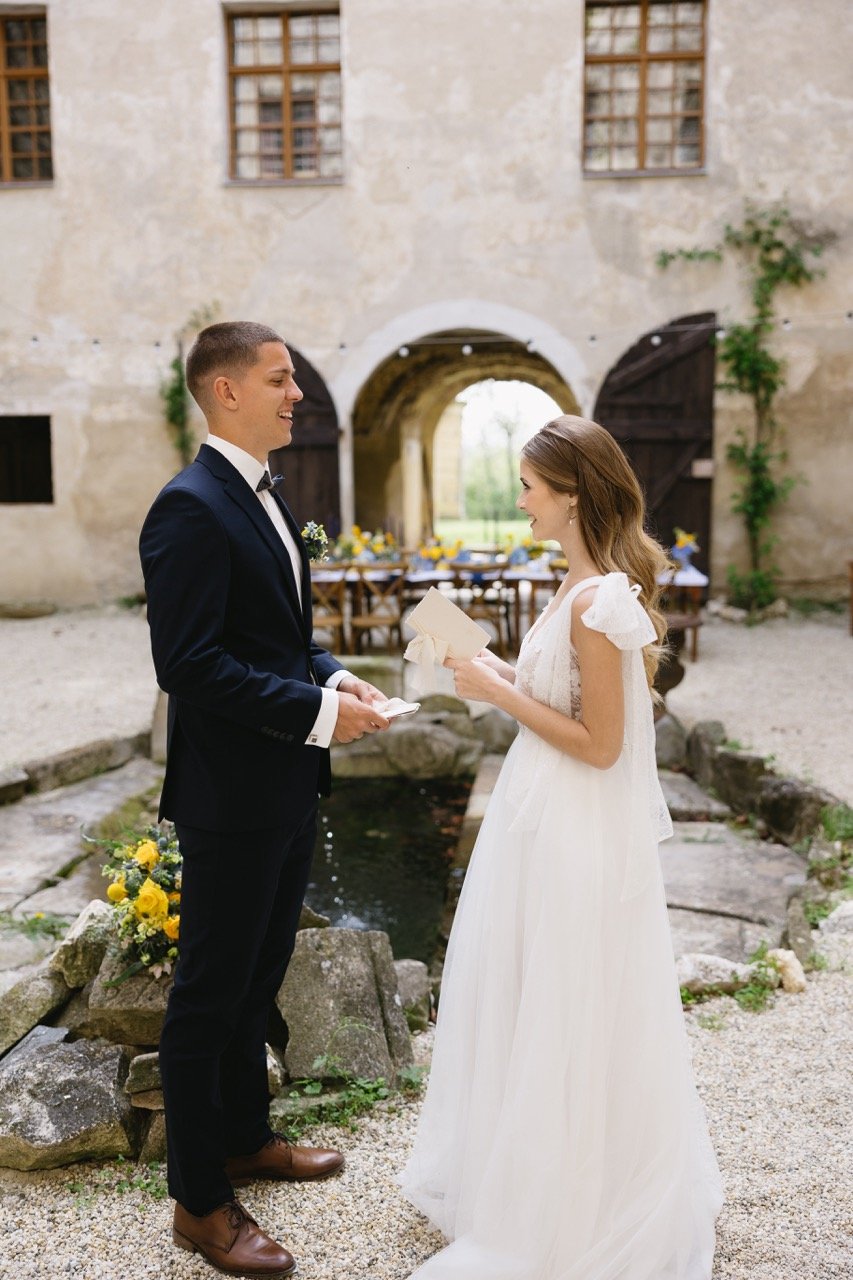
(340, 1002)
(702, 743)
(735, 777)
(80, 954)
(131, 1012)
(496, 730)
(719, 935)
(82, 762)
(687, 802)
(839, 921)
(33, 1040)
(63, 1103)
(28, 1002)
(790, 808)
(144, 1074)
(670, 743)
(416, 748)
(154, 1142)
(413, 983)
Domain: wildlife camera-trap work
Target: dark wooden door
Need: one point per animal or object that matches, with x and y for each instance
(658, 401)
(309, 464)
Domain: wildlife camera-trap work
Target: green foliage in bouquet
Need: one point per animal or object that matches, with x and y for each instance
(145, 892)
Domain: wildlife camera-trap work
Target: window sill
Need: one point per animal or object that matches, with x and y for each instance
(283, 182)
(24, 185)
(597, 175)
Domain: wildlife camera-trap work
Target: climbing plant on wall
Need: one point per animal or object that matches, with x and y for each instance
(173, 390)
(777, 253)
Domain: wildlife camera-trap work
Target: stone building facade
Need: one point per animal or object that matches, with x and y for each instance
(459, 223)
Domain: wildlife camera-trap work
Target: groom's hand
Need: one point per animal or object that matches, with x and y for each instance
(356, 718)
(363, 690)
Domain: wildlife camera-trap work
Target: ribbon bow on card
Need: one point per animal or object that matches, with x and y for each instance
(441, 630)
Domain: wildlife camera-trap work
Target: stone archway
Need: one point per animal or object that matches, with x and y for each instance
(398, 408)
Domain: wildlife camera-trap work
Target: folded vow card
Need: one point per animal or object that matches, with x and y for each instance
(441, 630)
(395, 707)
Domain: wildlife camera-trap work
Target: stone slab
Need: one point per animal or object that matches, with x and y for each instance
(79, 763)
(699, 931)
(40, 835)
(687, 802)
(715, 869)
(13, 784)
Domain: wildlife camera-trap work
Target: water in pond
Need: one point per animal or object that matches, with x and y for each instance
(381, 859)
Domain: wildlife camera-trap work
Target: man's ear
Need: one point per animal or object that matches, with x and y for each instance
(223, 394)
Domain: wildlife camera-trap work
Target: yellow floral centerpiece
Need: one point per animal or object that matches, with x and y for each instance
(437, 552)
(361, 544)
(528, 548)
(145, 891)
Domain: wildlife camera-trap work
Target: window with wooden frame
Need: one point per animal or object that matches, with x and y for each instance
(284, 75)
(25, 468)
(25, 145)
(644, 86)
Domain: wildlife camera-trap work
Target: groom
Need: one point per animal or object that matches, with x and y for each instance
(253, 706)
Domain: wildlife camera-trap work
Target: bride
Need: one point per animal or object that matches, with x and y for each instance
(561, 1136)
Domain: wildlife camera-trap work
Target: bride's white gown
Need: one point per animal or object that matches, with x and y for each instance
(561, 1136)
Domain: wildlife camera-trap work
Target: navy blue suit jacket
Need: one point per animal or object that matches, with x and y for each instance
(233, 648)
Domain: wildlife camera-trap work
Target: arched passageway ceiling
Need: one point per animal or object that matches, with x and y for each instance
(423, 382)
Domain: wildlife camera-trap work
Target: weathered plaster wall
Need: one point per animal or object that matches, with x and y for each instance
(463, 201)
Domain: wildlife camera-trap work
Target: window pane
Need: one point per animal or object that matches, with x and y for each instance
(269, 29)
(248, 167)
(270, 53)
(690, 100)
(246, 113)
(43, 143)
(40, 55)
(626, 41)
(20, 115)
(626, 15)
(597, 76)
(22, 169)
(625, 104)
(272, 166)
(661, 14)
(245, 55)
(329, 51)
(271, 112)
(686, 155)
(688, 12)
(19, 90)
(245, 88)
(689, 73)
(45, 168)
(624, 157)
(659, 75)
(42, 89)
(331, 166)
(272, 140)
(598, 42)
(17, 55)
(302, 52)
(688, 129)
(301, 27)
(22, 143)
(598, 104)
(627, 77)
(303, 139)
(659, 102)
(16, 31)
(328, 24)
(328, 112)
(243, 28)
(624, 131)
(42, 115)
(660, 40)
(659, 130)
(330, 85)
(597, 17)
(303, 111)
(597, 158)
(688, 38)
(330, 139)
(305, 166)
(597, 133)
(302, 84)
(247, 141)
(658, 157)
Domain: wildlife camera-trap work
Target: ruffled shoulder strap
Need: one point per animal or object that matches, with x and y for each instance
(618, 613)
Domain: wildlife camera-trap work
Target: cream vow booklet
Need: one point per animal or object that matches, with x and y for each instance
(441, 630)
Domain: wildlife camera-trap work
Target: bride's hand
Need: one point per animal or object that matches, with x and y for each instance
(474, 679)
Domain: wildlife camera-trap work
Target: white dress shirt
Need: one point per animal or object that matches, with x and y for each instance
(251, 470)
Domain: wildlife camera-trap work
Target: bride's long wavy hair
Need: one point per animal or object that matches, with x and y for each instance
(578, 457)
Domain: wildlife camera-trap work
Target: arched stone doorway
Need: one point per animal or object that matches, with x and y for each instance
(310, 462)
(398, 408)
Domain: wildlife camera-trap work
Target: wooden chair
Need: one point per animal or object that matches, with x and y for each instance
(328, 603)
(378, 603)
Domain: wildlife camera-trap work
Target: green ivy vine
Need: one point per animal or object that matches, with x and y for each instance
(174, 392)
(776, 252)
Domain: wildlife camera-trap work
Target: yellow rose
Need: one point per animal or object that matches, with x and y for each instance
(117, 892)
(171, 927)
(151, 900)
(147, 854)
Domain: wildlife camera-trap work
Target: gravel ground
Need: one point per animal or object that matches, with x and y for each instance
(779, 1096)
(784, 688)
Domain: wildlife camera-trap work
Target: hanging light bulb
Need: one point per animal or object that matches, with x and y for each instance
(467, 349)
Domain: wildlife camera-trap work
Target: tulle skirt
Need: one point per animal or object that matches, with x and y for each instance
(561, 1136)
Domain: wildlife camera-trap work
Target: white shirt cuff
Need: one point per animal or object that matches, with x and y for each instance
(336, 677)
(324, 725)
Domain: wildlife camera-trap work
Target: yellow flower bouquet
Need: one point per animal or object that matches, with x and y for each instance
(362, 545)
(145, 892)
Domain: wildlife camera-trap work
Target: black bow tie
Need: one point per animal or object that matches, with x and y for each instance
(267, 482)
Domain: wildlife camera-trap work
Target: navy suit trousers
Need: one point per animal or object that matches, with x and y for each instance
(240, 901)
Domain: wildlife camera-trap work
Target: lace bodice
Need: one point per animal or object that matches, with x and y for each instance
(564, 687)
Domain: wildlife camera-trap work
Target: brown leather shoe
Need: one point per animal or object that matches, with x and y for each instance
(231, 1240)
(280, 1161)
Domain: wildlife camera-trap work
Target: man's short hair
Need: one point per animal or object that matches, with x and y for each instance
(227, 349)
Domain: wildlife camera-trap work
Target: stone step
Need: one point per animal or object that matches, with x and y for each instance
(687, 802)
